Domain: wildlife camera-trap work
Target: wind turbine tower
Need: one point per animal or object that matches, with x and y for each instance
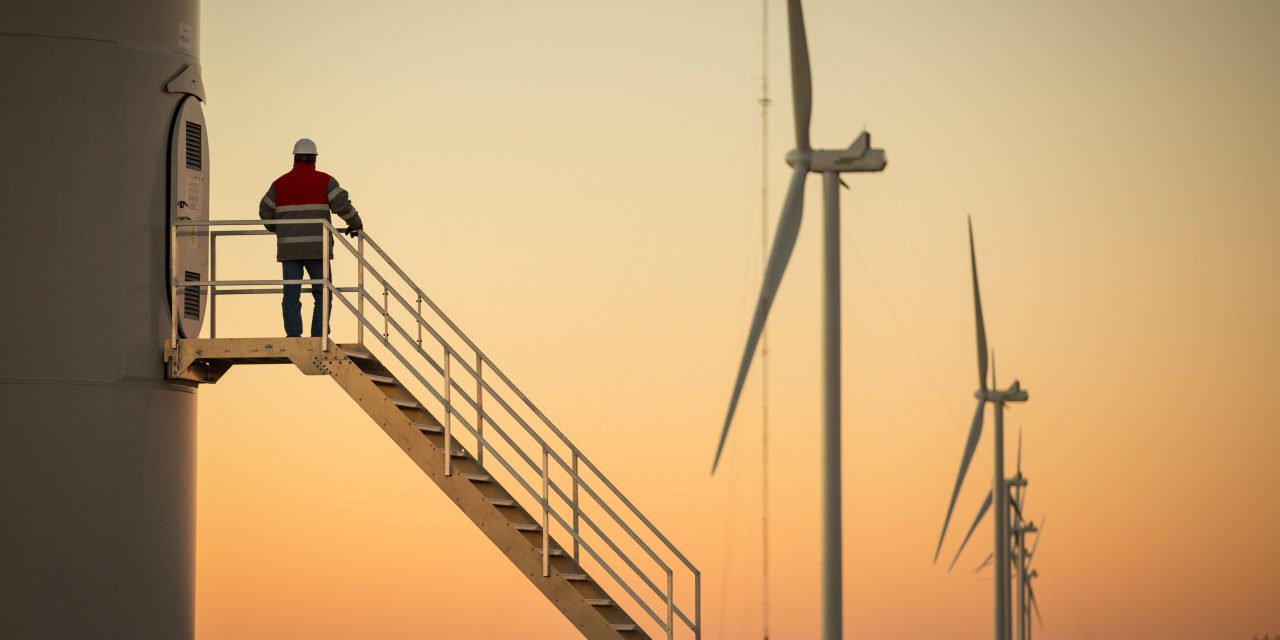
(103, 135)
(999, 488)
(859, 157)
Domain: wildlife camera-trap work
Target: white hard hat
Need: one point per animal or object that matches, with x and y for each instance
(305, 146)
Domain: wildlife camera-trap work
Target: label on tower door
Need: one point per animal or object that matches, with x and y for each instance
(193, 199)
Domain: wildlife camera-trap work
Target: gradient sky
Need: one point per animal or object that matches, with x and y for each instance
(578, 184)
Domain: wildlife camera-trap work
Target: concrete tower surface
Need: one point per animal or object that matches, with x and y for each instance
(97, 448)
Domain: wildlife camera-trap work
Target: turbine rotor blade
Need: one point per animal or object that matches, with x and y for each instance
(1031, 593)
(784, 241)
(982, 513)
(801, 80)
(990, 557)
(975, 432)
(1019, 450)
(977, 313)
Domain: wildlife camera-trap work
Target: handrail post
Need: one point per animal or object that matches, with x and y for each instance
(448, 414)
(173, 286)
(697, 604)
(671, 628)
(360, 290)
(546, 535)
(479, 409)
(575, 505)
(213, 289)
(386, 332)
(324, 300)
(419, 323)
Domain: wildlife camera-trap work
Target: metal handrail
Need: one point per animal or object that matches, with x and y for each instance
(542, 443)
(542, 499)
(524, 483)
(451, 410)
(524, 398)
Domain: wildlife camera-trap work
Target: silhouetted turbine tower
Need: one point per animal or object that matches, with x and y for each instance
(859, 157)
(999, 496)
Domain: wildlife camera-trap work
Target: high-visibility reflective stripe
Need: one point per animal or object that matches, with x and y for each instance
(291, 239)
(303, 207)
(336, 191)
(270, 203)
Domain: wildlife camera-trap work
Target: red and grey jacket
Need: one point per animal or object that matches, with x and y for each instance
(304, 193)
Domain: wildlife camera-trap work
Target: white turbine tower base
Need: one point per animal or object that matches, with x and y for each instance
(857, 158)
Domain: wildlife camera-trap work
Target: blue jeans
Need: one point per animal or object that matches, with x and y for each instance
(292, 303)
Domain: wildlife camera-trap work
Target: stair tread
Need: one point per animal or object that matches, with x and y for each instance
(502, 502)
(478, 477)
(599, 602)
(380, 379)
(429, 428)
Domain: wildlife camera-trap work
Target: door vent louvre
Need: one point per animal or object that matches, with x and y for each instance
(194, 146)
(191, 298)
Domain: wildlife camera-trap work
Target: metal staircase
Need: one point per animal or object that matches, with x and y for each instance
(534, 494)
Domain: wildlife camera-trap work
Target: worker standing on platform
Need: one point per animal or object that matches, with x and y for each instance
(304, 193)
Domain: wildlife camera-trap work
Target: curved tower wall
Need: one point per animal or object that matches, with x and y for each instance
(97, 448)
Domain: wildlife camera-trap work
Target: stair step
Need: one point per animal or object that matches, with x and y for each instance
(358, 354)
(502, 502)
(429, 428)
(377, 379)
(456, 453)
(554, 552)
(478, 477)
(521, 526)
(622, 626)
(599, 602)
(575, 577)
(408, 404)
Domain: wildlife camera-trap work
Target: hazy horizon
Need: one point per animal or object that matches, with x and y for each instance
(578, 185)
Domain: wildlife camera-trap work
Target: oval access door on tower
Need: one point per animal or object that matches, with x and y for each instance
(189, 200)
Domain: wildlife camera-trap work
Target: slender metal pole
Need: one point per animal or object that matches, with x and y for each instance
(1001, 513)
(213, 290)
(479, 407)
(386, 318)
(419, 323)
(360, 290)
(324, 297)
(448, 414)
(832, 553)
(546, 535)
(764, 336)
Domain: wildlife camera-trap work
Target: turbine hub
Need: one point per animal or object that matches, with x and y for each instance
(796, 156)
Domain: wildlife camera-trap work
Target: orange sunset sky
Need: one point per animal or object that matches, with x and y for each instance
(578, 184)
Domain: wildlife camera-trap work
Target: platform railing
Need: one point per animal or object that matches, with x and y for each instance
(611, 520)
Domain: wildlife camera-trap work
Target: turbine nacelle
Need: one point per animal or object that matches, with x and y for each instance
(860, 157)
(1015, 393)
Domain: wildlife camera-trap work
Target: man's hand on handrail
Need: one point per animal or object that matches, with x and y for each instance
(352, 231)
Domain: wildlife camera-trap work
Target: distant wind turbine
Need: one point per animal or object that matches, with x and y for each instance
(999, 495)
(859, 157)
